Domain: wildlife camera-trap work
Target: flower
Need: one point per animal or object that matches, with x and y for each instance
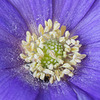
(81, 17)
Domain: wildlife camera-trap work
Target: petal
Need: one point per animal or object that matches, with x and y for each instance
(35, 12)
(88, 77)
(8, 38)
(44, 94)
(42, 10)
(62, 91)
(89, 28)
(88, 80)
(81, 95)
(11, 21)
(9, 55)
(57, 4)
(13, 87)
(70, 11)
(93, 56)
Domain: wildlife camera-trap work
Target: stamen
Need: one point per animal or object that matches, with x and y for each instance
(40, 29)
(56, 25)
(28, 37)
(63, 29)
(53, 54)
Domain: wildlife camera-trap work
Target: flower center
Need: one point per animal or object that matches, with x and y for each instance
(51, 46)
(53, 54)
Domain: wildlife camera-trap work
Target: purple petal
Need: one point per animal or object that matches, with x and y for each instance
(88, 77)
(89, 28)
(70, 12)
(42, 10)
(9, 55)
(93, 56)
(88, 80)
(34, 11)
(12, 87)
(81, 95)
(44, 94)
(8, 38)
(11, 21)
(61, 91)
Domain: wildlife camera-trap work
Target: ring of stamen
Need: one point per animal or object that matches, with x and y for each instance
(53, 54)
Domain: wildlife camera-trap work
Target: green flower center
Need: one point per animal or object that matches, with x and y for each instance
(56, 48)
(53, 54)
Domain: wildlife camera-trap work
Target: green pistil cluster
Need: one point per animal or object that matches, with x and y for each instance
(56, 48)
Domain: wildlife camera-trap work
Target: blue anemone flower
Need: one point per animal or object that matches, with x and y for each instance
(81, 17)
